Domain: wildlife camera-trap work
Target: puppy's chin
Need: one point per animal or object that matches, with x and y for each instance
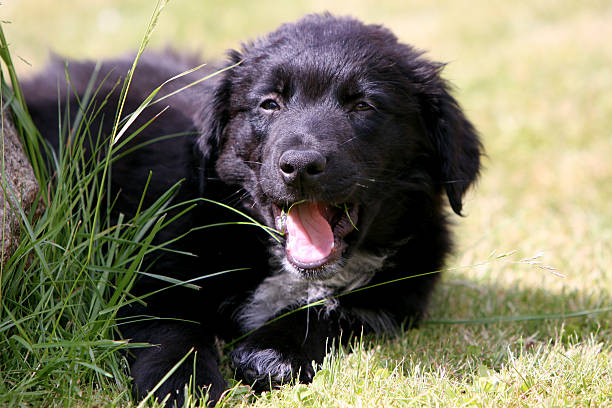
(321, 273)
(283, 263)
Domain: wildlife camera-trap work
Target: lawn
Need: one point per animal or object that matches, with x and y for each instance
(523, 316)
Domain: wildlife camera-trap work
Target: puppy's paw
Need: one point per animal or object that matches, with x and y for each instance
(265, 367)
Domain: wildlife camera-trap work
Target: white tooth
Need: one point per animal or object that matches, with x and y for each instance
(281, 222)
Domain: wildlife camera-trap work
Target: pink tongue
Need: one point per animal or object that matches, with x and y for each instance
(310, 236)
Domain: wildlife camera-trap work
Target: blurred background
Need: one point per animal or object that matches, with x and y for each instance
(535, 77)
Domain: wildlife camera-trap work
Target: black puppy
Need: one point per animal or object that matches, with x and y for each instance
(331, 132)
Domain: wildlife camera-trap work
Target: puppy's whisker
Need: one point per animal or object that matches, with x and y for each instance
(347, 141)
(372, 180)
(455, 181)
(253, 162)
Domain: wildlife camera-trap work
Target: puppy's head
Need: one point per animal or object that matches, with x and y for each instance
(337, 132)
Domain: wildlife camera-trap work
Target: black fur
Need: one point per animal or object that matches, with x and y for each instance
(384, 135)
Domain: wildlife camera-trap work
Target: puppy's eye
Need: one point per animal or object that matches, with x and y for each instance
(270, 105)
(362, 106)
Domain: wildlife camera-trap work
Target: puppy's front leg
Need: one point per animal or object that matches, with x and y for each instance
(285, 349)
(170, 342)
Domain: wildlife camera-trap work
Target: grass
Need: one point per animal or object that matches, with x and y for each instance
(502, 331)
(73, 267)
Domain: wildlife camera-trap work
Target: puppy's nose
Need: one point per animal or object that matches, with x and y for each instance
(301, 165)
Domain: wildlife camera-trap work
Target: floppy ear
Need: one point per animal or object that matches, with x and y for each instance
(216, 110)
(457, 146)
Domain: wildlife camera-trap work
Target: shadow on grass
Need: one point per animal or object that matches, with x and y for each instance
(471, 324)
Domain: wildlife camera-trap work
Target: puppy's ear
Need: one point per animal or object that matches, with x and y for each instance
(456, 143)
(216, 110)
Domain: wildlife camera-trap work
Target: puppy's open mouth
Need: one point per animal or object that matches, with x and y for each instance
(315, 232)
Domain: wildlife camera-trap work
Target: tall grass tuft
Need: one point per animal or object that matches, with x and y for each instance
(74, 266)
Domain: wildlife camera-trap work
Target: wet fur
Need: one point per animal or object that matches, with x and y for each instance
(400, 162)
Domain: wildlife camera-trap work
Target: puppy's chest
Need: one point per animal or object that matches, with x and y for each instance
(286, 290)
